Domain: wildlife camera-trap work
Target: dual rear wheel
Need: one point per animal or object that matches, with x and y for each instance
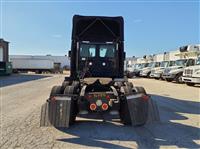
(125, 113)
(70, 90)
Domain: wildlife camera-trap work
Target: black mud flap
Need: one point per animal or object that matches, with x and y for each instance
(141, 110)
(56, 112)
(138, 109)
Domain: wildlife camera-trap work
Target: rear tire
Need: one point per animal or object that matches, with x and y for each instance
(56, 90)
(141, 90)
(190, 84)
(65, 83)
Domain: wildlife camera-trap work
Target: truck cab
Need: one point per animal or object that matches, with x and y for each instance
(97, 85)
(187, 55)
(139, 68)
(191, 74)
(97, 59)
(145, 72)
(174, 73)
(135, 69)
(157, 72)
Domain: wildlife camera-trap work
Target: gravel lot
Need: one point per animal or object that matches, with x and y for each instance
(179, 107)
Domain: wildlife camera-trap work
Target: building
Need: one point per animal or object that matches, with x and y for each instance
(5, 65)
(4, 50)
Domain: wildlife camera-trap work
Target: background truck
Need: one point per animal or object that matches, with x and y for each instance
(138, 68)
(175, 73)
(32, 64)
(96, 85)
(145, 72)
(191, 75)
(158, 72)
(134, 70)
(187, 58)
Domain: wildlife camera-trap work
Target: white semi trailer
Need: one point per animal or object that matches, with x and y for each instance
(29, 64)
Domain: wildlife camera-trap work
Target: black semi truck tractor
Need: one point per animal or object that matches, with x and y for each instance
(97, 85)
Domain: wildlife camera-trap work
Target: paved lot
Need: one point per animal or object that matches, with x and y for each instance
(179, 107)
(19, 78)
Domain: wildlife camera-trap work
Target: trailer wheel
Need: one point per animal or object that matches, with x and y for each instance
(56, 90)
(190, 84)
(71, 90)
(141, 90)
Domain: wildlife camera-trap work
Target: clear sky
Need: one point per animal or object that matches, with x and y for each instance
(41, 27)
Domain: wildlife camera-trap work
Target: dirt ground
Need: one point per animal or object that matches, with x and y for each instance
(179, 107)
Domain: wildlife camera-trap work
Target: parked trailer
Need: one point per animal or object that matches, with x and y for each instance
(35, 65)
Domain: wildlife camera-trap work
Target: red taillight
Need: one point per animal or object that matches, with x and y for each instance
(145, 97)
(107, 97)
(104, 106)
(93, 106)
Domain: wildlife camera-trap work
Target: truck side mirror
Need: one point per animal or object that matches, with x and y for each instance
(69, 53)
